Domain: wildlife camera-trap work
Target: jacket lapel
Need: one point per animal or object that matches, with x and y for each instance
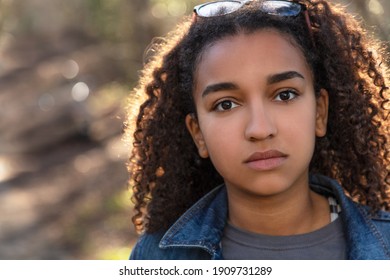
(208, 216)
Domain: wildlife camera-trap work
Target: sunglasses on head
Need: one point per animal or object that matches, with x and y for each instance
(281, 8)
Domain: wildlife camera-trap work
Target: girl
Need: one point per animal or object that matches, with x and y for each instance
(251, 108)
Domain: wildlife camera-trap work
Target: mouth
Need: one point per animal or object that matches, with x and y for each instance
(267, 160)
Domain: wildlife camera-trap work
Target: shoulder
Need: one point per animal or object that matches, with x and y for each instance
(381, 221)
(359, 221)
(195, 235)
(381, 217)
(147, 246)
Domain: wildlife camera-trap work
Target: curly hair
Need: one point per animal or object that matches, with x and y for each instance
(167, 175)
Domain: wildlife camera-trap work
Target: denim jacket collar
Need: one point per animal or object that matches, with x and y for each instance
(209, 216)
(364, 240)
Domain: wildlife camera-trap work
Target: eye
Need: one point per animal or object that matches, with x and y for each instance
(225, 105)
(286, 95)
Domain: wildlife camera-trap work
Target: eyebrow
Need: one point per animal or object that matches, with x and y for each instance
(273, 79)
(219, 87)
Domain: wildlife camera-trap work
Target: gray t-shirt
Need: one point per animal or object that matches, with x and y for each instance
(327, 243)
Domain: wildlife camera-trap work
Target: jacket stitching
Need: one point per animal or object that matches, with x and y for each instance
(374, 229)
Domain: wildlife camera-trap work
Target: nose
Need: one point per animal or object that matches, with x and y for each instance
(260, 124)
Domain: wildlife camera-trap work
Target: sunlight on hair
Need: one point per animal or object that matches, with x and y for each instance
(160, 172)
(132, 108)
(375, 7)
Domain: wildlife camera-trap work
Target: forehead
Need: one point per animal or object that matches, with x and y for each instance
(266, 51)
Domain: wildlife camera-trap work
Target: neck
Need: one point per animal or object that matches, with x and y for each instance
(296, 211)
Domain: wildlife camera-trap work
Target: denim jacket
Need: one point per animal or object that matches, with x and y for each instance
(197, 234)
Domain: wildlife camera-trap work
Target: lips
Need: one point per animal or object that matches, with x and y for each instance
(267, 160)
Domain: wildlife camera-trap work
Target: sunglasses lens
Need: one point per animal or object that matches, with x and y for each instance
(281, 8)
(217, 8)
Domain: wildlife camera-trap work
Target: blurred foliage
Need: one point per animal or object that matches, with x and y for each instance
(106, 19)
(83, 234)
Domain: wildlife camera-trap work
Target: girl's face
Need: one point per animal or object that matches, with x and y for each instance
(257, 114)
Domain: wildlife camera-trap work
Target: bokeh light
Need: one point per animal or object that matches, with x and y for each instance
(70, 69)
(80, 91)
(46, 102)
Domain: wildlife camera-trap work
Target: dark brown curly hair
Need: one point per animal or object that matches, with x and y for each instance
(167, 175)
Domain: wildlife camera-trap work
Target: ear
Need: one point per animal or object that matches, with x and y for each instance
(322, 113)
(194, 129)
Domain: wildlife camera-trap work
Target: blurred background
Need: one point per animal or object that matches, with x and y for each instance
(67, 69)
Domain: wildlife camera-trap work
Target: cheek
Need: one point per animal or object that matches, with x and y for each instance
(222, 133)
(302, 123)
(301, 116)
(223, 139)
(299, 130)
